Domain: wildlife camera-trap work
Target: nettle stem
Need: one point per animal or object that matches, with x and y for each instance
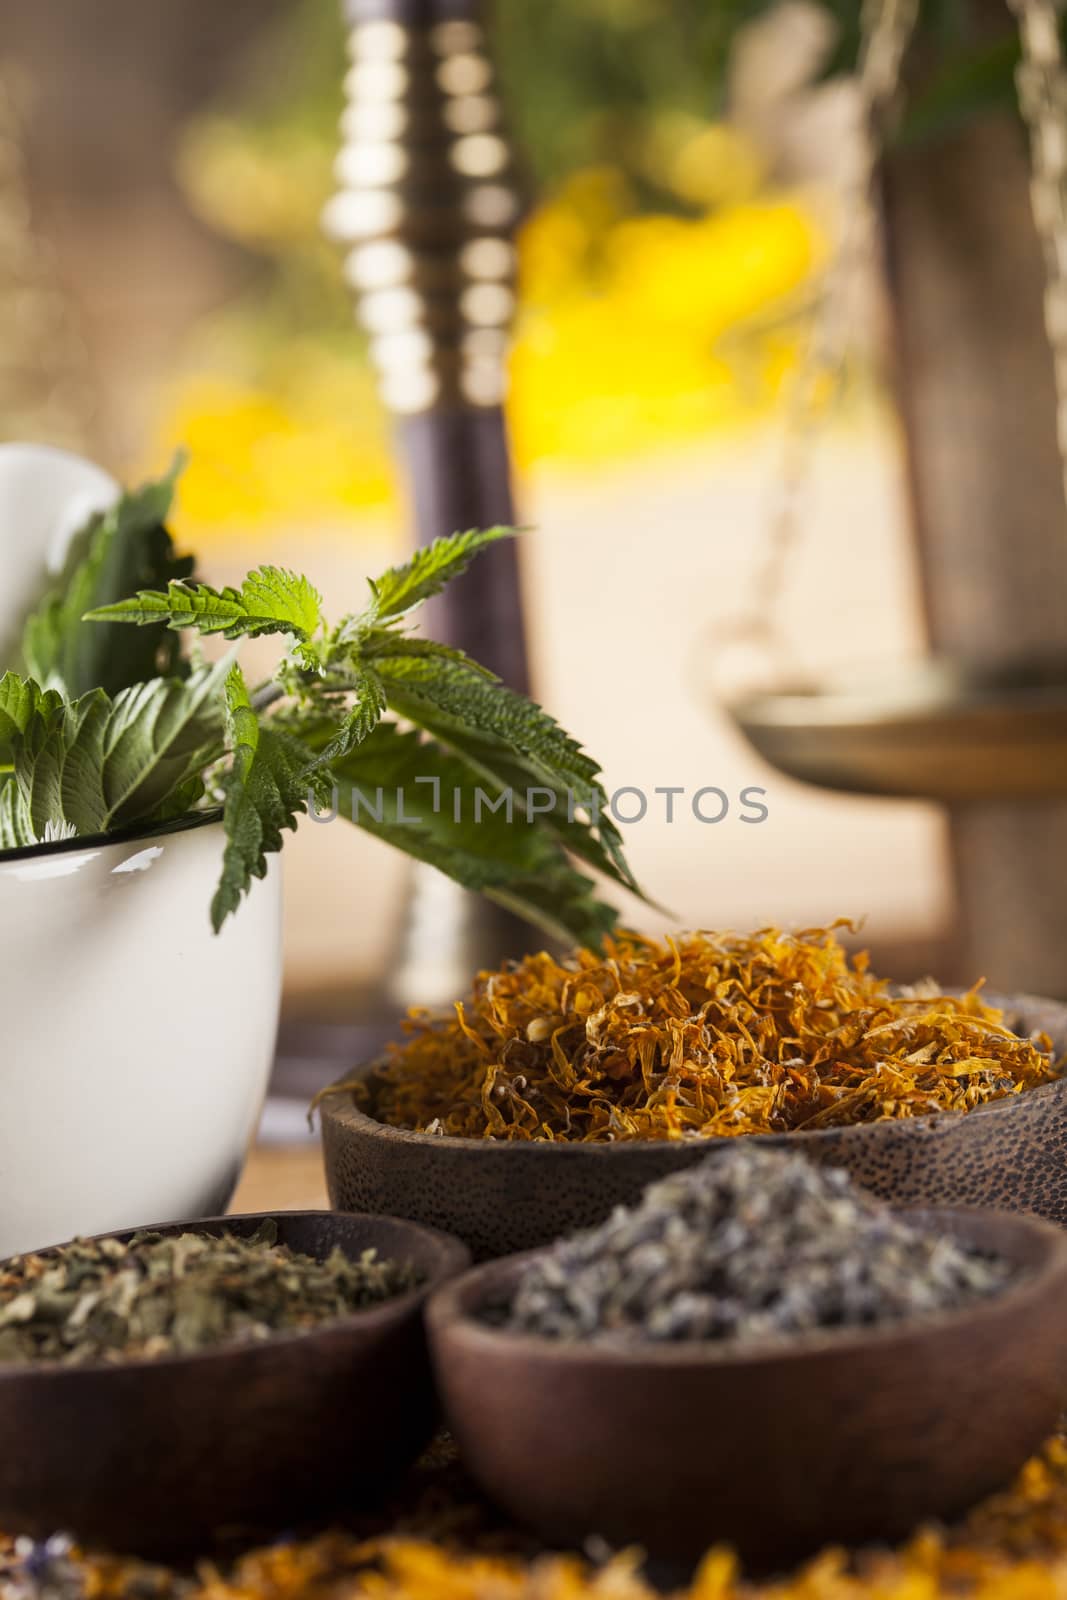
(267, 695)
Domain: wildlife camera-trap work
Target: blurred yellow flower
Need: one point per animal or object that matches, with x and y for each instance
(701, 278)
(634, 331)
(619, 346)
(286, 459)
(714, 165)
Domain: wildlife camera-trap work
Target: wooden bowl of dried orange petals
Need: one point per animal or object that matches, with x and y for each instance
(559, 1089)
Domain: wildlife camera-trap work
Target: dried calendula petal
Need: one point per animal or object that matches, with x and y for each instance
(445, 1545)
(701, 1035)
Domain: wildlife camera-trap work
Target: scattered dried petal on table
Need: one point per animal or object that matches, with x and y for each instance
(1011, 1547)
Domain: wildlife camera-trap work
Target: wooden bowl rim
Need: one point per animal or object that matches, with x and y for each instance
(339, 1108)
(455, 1259)
(446, 1312)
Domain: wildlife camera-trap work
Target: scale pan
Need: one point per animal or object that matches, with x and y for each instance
(935, 730)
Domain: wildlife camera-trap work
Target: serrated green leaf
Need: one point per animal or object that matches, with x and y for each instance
(287, 597)
(160, 735)
(400, 589)
(52, 796)
(185, 800)
(455, 691)
(15, 827)
(388, 642)
(265, 790)
(597, 842)
(95, 764)
(361, 720)
(21, 699)
(270, 600)
(326, 700)
(242, 724)
(512, 862)
(117, 553)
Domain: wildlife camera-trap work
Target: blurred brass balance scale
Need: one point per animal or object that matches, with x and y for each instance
(947, 730)
(981, 725)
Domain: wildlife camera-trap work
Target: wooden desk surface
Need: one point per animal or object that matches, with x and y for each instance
(282, 1178)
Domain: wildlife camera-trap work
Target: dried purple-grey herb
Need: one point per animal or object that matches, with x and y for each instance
(45, 1569)
(749, 1244)
(171, 1294)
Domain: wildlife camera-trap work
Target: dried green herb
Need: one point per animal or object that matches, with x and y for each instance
(750, 1244)
(171, 1294)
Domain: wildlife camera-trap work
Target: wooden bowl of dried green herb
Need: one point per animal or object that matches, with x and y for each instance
(219, 1379)
(564, 1086)
(758, 1353)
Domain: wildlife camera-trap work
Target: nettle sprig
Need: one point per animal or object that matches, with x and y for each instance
(110, 726)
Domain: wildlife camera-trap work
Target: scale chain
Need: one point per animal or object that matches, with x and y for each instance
(1041, 81)
(886, 27)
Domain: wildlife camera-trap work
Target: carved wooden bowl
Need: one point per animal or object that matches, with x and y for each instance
(501, 1197)
(848, 1435)
(160, 1457)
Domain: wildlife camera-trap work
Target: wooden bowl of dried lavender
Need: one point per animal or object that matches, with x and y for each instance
(567, 1085)
(219, 1379)
(758, 1353)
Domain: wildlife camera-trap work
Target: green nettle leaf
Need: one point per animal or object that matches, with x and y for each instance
(160, 736)
(366, 713)
(21, 699)
(269, 600)
(598, 843)
(388, 641)
(94, 764)
(117, 553)
(514, 741)
(559, 764)
(15, 827)
(184, 801)
(166, 745)
(265, 790)
(53, 796)
(389, 780)
(401, 589)
(453, 691)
